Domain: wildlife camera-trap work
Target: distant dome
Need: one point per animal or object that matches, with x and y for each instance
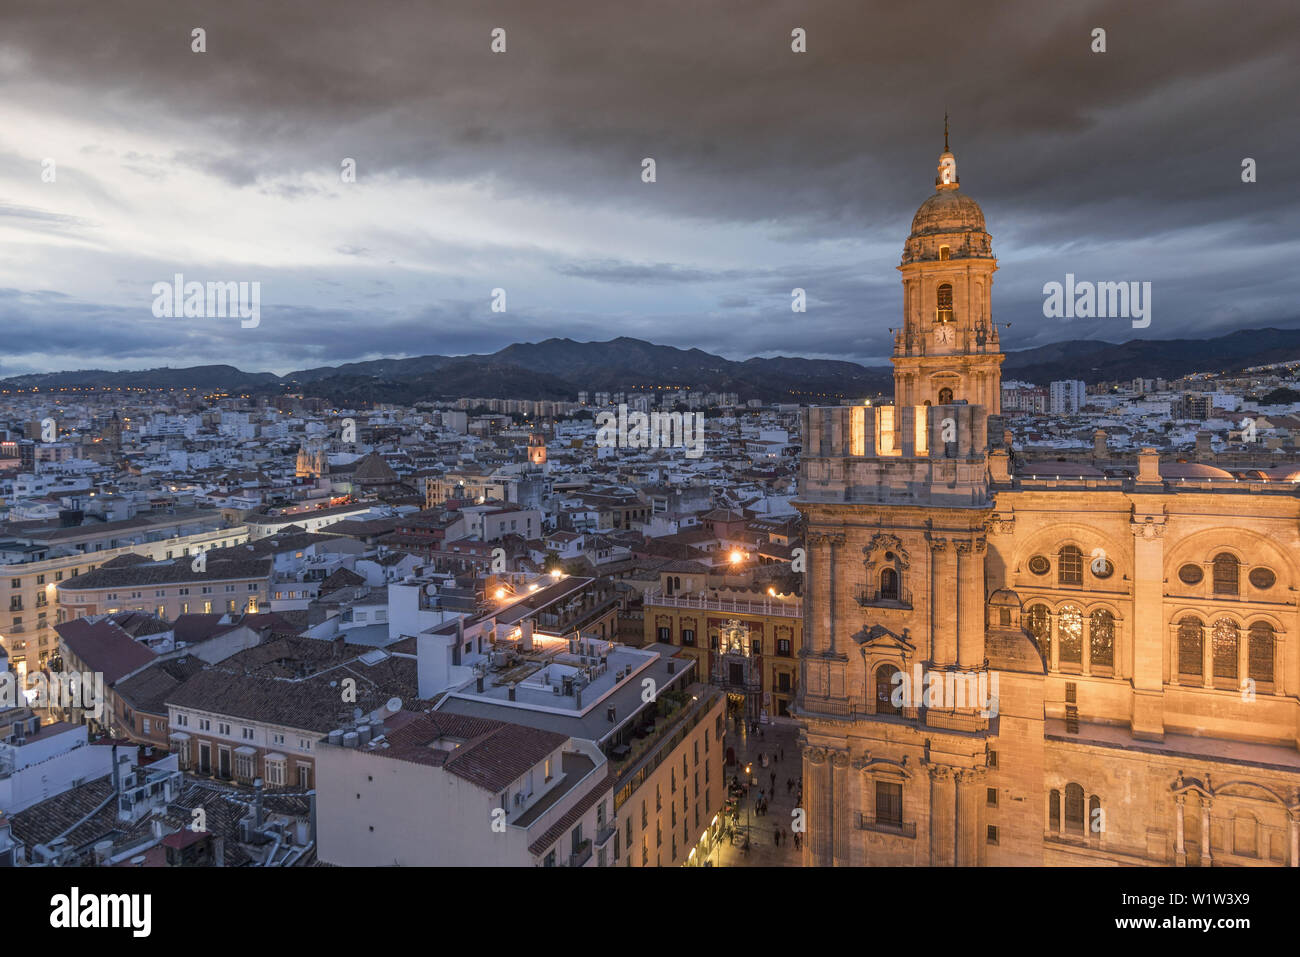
(373, 470)
(1060, 469)
(1191, 470)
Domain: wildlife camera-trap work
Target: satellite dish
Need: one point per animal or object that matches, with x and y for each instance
(394, 704)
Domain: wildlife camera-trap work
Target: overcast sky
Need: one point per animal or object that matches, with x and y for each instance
(522, 170)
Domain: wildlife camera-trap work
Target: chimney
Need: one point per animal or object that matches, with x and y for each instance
(999, 466)
(512, 692)
(1099, 449)
(479, 684)
(1148, 467)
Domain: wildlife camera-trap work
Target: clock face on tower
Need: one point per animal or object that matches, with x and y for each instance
(944, 334)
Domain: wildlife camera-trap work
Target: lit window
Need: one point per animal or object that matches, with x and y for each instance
(886, 443)
(858, 430)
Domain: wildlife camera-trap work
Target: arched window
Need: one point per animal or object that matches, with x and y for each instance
(1227, 572)
(885, 690)
(668, 583)
(1069, 566)
(1190, 637)
(1054, 810)
(1225, 648)
(889, 585)
(1074, 808)
(1095, 818)
(944, 253)
(1070, 629)
(943, 312)
(1038, 622)
(1101, 635)
(945, 396)
(1259, 657)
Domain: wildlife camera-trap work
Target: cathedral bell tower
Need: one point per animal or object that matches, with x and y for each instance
(948, 348)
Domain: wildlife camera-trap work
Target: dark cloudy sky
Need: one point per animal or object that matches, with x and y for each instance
(522, 170)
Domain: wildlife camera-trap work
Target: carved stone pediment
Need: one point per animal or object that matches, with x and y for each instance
(882, 542)
(878, 638)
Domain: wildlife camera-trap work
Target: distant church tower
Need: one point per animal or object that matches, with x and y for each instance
(537, 450)
(312, 463)
(948, 349)
(113, 432)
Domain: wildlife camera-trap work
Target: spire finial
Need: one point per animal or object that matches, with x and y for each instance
(945, 131)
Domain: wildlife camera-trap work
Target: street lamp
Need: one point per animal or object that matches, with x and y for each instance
(749, 770)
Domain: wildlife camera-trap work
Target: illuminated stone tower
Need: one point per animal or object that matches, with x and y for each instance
(948, 348)
(896, 502)
(537, 450)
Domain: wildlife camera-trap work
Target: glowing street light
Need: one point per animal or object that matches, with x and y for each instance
(737, 556)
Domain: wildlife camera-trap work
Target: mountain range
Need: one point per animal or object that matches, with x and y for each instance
(560, 368)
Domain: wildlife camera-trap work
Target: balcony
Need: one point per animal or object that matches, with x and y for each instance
(581, 856)
(901, 829)
(781, 608)
(873, 598)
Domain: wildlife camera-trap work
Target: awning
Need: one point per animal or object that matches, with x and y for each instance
(178, 736)
(275, 756)
(245, 749)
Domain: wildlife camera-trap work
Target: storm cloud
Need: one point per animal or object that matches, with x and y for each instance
(522, 171)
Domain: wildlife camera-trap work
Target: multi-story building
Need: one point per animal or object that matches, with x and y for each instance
(259, 713)
(1038, 663)
(764, 680)
(169, 588)
(37, 559)
(1067, 396)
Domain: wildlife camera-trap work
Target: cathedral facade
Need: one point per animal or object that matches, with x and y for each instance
(1010, 662)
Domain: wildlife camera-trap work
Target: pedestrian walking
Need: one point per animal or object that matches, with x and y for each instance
(772, 777)
(776, 837)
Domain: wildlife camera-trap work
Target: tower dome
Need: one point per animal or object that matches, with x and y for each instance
(949, 224)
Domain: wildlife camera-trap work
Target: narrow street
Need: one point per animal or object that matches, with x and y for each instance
(771, 740)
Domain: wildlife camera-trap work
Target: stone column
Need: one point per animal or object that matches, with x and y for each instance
(834, 540)
(817, 802)
(1148, 720)
(1206, 858)
(966, 833)
(843, 825)
(970, 603)
(943, 816)
(943, 607)
(813, 610)
(1180, 849)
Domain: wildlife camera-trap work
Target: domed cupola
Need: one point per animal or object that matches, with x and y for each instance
(949, 224)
